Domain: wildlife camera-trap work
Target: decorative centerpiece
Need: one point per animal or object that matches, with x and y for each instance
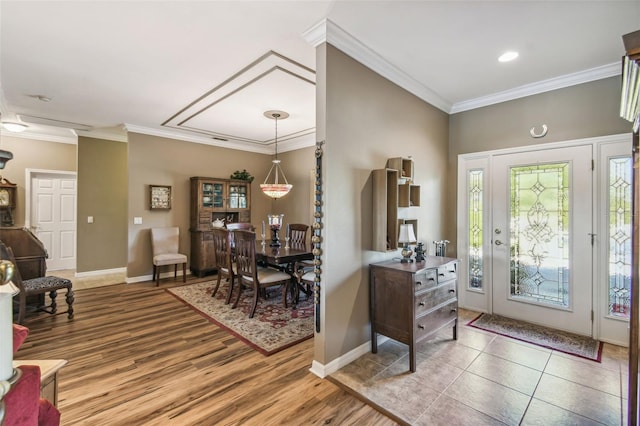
(275, 223)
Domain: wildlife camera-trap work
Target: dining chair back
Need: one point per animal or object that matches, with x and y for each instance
(252, 276)
(223, 259)
(239, 225)
(298, 234)
(38, 286)
(165, 243)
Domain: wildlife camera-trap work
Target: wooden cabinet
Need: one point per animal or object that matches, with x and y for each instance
(412, 301)
(393, 189)
(211, 199)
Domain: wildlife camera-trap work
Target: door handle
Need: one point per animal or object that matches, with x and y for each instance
(498, 242)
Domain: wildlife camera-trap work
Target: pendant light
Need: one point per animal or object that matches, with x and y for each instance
(276, 189)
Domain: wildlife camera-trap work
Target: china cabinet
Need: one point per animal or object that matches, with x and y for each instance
(214, 199)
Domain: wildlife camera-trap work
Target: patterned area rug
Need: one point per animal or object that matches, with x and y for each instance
(272, 329)
(562, 341)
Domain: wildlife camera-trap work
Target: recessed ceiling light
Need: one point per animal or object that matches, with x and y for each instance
(508, 56)
(14, 127)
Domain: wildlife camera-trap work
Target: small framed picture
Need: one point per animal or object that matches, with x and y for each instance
(160, 197)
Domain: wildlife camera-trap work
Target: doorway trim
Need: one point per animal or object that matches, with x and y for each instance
(481, 300)
(28, 175)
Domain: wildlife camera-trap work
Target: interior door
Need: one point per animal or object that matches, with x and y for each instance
(53, 217)
(542, 237)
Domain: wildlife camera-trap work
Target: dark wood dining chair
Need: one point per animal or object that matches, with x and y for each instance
(298, 234)
(223, 260)
(38, 286)
(251, 275)
(246, 226)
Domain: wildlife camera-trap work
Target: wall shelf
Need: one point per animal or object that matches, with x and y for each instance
(393, 189)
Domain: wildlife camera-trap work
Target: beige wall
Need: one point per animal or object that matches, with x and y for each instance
(161, 161)
(367, 119)
(582, 111)
(33, 154)
(102, 193)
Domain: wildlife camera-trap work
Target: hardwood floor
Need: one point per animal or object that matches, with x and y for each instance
(138, 356)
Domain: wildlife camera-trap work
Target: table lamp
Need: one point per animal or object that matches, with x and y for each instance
(406, 237)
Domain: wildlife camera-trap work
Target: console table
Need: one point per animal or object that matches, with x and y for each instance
(48, 376)
(412, 301)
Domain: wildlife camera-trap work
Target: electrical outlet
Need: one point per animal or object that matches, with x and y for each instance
(89, 219)
(137, 220)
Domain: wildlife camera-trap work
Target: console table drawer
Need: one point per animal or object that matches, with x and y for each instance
(447, 272)
(435, 320)
(425, 280)
(428, 299)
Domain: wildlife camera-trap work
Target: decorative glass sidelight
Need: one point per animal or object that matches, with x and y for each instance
(619, 265)
(474, 220)
(539, 224)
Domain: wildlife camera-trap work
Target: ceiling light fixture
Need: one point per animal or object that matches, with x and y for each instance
(41, 98)
(508, 56)
(14, 127)
(276, 190)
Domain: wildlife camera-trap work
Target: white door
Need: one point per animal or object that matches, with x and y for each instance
(53, 217)
(542, 237)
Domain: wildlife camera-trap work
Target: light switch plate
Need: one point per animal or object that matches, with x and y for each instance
(89, 219)
(137, 220)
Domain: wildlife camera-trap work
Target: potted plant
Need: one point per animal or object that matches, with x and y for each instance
(242, 175)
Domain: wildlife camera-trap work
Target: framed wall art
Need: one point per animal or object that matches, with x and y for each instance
(160, 197)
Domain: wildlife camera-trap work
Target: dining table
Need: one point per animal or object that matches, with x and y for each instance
(285, 259)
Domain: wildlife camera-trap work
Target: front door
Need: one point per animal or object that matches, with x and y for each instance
(541, 237)
(53, 217)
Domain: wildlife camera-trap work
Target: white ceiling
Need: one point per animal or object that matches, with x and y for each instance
(206, 71)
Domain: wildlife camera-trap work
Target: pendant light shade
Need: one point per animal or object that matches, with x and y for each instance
(276, 189)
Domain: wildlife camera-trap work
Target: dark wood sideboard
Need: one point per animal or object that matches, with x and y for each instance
(412, 301)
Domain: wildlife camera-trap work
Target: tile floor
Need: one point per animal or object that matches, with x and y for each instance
(486, 379)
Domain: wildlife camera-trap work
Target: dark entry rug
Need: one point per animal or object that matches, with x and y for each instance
(273, 327)
(562, 341)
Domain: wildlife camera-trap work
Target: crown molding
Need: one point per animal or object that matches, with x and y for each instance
(598, 73)
(327, 31)
(117, 134)
(163, 133)
(72, 140)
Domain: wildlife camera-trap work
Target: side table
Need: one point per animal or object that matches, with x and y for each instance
(48, 375)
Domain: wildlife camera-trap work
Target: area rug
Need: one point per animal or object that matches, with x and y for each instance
(273, 327)
(562, 341)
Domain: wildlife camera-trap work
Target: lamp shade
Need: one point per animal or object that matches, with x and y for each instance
(406, 234)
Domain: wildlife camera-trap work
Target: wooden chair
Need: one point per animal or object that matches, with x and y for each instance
(223, 259)
(239, 225)
(38, 286)
(303, 270)
(165, 243)
(251, 275)
(298, 234)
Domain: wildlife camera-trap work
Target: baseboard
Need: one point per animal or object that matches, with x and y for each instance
(100, 272)
(141, 278)
(323, 370)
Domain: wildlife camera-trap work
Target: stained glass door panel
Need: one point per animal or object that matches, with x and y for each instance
(541, 237)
